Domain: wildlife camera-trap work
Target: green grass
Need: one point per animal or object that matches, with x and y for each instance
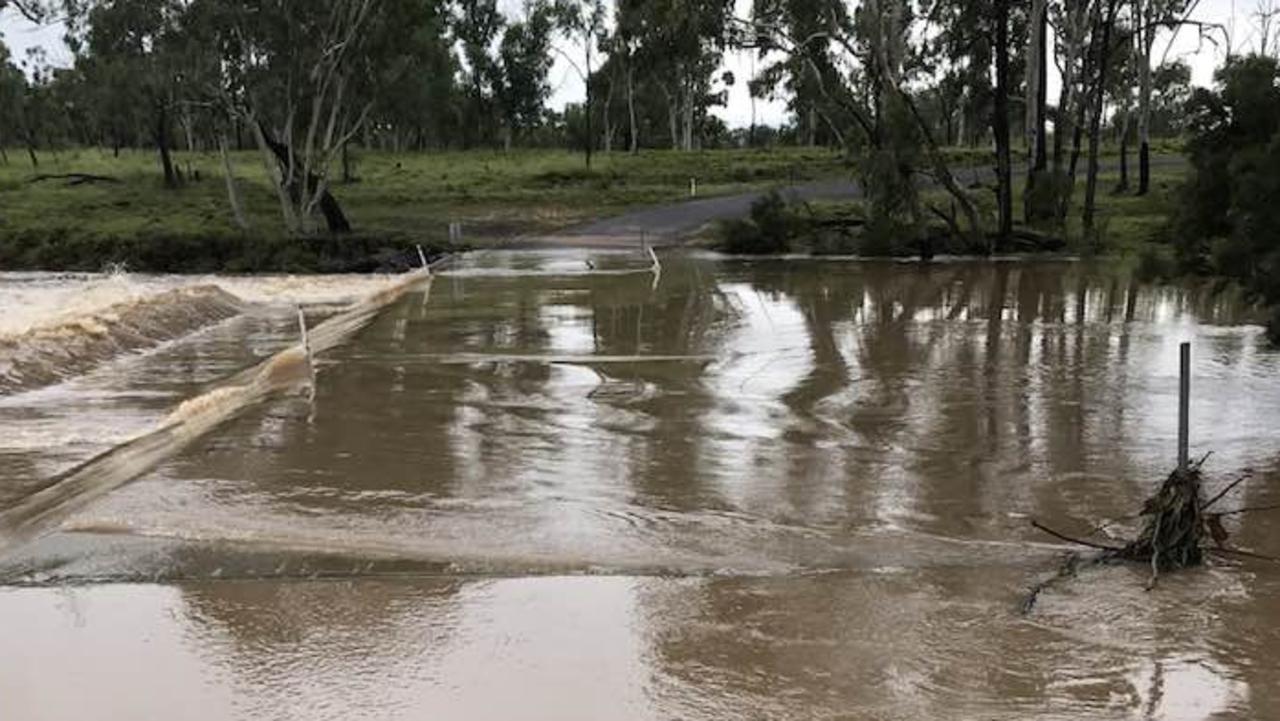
(494, 194)
(411, 197)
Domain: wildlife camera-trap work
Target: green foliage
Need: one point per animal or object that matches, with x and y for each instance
(1154, 264)
(526, 57)
(772, 227)
(1230, 219)
(892, 199)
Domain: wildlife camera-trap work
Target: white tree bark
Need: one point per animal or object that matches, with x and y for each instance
(1034, 42)
(233, 193)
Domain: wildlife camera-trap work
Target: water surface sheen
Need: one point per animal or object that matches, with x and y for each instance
(753, 490)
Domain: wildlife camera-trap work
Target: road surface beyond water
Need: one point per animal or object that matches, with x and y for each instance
(670, 224)
(738, 490)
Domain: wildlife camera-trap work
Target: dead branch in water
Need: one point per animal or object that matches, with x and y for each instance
(1243, 477)
(1069, 539)
(1249, 509)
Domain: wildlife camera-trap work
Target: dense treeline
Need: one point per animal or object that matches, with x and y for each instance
(890, 83)
(1229, 224)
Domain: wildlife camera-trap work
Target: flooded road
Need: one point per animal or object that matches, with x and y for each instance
(774, 489)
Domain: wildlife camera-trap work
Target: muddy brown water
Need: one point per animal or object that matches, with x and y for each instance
(755, 490)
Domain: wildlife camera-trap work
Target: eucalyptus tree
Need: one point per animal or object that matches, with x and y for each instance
(1149, 16)
(1036, 102)
(867, 65)
(682, 44)
(477, 25)
(586, 21)
(128, 51)
(1171, 89)
(801, 76)
(624, 45)
(1071, 24)
(1103, 52)
(525, 54)
(1000, 121)
(418, 102)
(14, 106)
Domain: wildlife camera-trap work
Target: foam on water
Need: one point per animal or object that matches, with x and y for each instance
(287, 370)
(32, 301)
(51, 352)
(58, 326)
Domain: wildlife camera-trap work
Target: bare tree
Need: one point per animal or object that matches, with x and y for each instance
(1266, 14)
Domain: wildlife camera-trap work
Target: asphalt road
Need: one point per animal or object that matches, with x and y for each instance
(671, 223)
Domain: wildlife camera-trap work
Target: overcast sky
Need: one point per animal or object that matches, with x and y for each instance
(1236, 16)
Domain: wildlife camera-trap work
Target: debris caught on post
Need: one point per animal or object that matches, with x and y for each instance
(1177, 521)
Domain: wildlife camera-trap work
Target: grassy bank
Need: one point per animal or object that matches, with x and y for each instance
(393, 200)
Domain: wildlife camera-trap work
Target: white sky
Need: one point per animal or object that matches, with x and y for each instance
(1234, 15)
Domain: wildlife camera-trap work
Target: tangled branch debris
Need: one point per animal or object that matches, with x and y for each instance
(1177, 524)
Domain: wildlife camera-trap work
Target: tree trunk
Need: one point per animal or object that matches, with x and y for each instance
(1083, 99)
(1095, 122)
(673, 119)
(687, 112)
(948, 126)
(334, 218)
(31, 149)
(1037, 79)
(607, 116)
(943, 173)
(188, 129)
(162, 143)
(1123, 185)
(275, 171)
(631, 109)
(1000, 127)
(233, 193)
(1144, 112)
(590, 139)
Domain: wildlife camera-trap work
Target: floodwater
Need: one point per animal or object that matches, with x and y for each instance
(534, 487)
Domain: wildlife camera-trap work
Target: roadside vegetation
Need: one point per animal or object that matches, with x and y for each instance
(1131, 227)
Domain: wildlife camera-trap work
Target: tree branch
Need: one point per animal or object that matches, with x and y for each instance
(1079, 542)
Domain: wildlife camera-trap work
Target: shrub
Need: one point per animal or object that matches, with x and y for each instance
(1229, 222)
(1154, 264)
(772, 228)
